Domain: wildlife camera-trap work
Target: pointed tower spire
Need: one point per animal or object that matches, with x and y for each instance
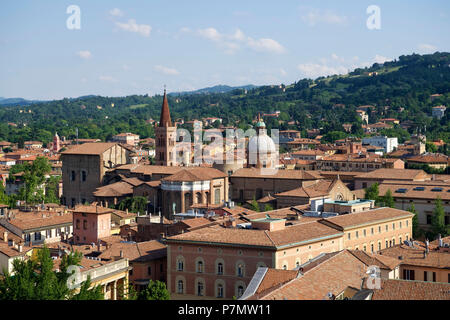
(165, 120)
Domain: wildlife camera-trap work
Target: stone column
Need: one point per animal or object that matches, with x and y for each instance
(114, 290)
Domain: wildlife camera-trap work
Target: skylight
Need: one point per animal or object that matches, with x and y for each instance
(401, 190)
(437, 189)
(419, 189)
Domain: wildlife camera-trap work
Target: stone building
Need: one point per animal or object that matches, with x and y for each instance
(84, 167)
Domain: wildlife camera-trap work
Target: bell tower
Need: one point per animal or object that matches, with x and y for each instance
(165, 136)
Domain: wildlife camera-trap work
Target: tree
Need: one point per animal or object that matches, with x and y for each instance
(438, 220)
(268, 207)
(372, 192)
(388, 199)
(156, 290)
(415, 222)
(35, 279)
(255, 205)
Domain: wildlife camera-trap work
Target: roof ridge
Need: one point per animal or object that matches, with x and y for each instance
(266, 232)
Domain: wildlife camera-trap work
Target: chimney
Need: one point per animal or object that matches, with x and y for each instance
(5, 236)
(441, 244)
(20, 247)
(121, 253)
(126, 210)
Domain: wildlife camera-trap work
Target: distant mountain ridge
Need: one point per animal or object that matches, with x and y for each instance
(13, 101)
(215, 89)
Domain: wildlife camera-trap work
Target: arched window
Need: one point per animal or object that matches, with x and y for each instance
(240, 269)
(220, 268)
(200, 266)
(240, 291)
(200, 288)
(199, 197)
(219, 290)
(180, 264)
(180, 287)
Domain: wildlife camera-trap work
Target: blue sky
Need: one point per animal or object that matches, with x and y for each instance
(135, 47)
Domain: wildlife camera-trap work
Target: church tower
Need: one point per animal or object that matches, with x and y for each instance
(165, 136)
(56, 143)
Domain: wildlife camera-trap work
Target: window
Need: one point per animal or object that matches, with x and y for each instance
(78, 224)
(219, 290)
(240, 270)
(180, 286)
(371, 231)
(371, 248)
(200, 288)
(72, 176)
(400, 240)
(408, 274)
(131, 271)
(48, 233)
(149, 270)
(37, 236)
(393, 242)
(240, 291)
(379, 246)
(428, 218)
(393, 226)
(387, 228)
(200, 266)
(83, 175)
(364, 232)
(387, 244)
(364, 248)
(220, 268)
(180, 265)
(348, 235)
(379, 229)
(400, 226)
(85, 224)
(356, 234)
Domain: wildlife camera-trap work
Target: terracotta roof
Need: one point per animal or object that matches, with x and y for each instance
(415, 257)
(280, 174)
(195, 174)
(321, 188)
(430, 158)
(348, 221)
(394, 174)
(124, 214)
(383, 262)
(10, 251)
(305, 232)
(40, 219)
(90, 148)
(274, 278)
(391, 289)
(424, 191)
(140, 251)
(91, 209)
(117, 189)
(332, 275)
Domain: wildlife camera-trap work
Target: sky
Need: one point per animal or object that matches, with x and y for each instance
(130, 47)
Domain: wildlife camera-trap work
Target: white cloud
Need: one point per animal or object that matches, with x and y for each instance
(84, 54)
(269, 45)
(132, 26)
(116, 12)
(314, 70)
(381, 59)
(107, 78)
(315, 17)
(210, 34)
(166, 70)
(427, 48)
(233, 42)
(185, 30)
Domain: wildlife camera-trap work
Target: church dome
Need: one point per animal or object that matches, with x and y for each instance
(261, 144)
